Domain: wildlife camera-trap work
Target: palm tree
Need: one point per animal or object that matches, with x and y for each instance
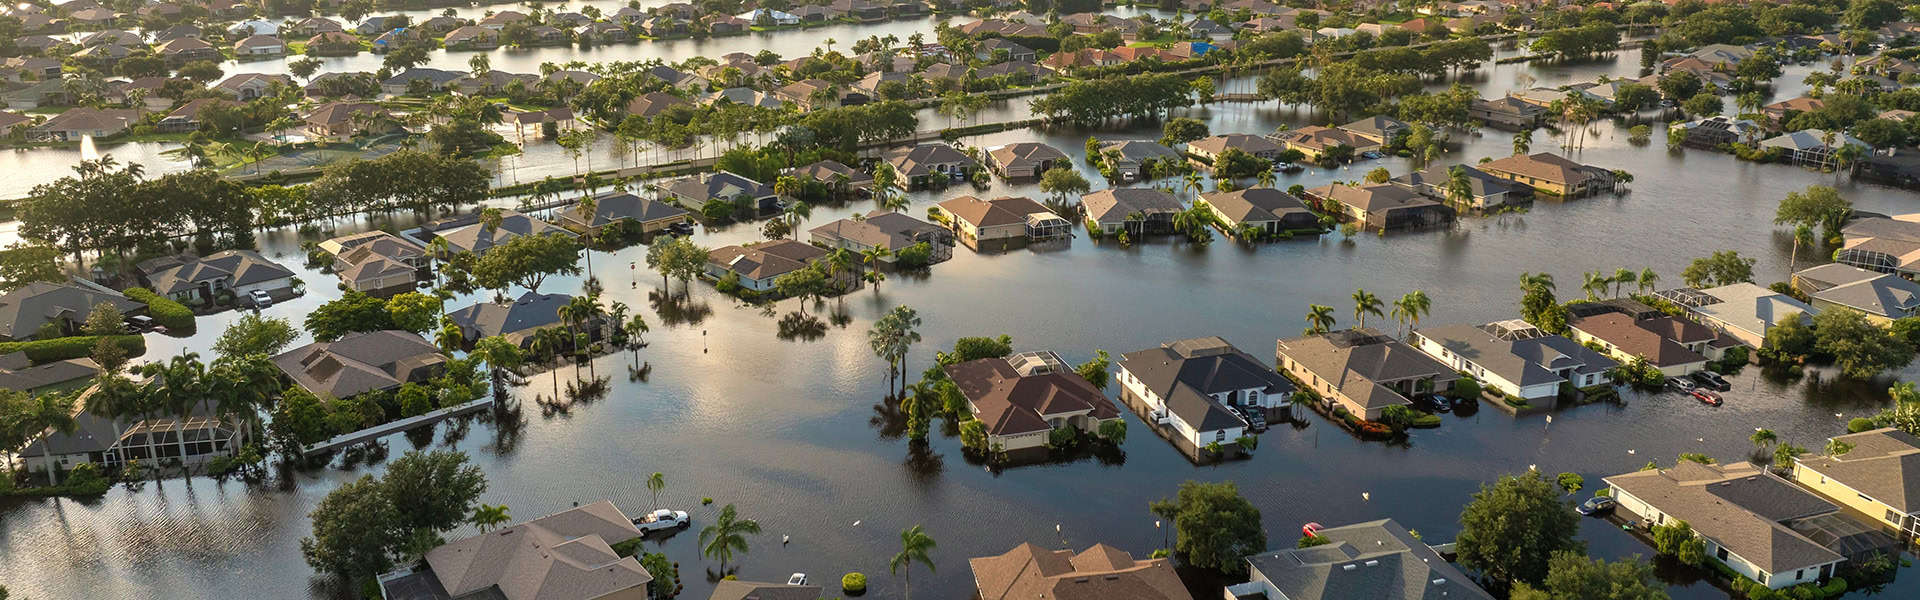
(1319, 319)
(1595, 285)
(1266, 178)
(1623, 276)
(548, 341)
(1365, 303)
(636, 328)
(1411, 307)
(797, 212)
(1647, 279)
(655, 483)
(588, 206)
(727, 535)
(52, 413)
(915, 545)
(1763, 438)
(1193, 183)
(487, 516)
(1523, 142)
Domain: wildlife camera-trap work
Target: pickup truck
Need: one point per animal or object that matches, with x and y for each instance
(662, 519)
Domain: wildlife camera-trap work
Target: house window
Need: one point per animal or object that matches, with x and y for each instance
(1722, 555)
(1220, 435)
(1893, 517)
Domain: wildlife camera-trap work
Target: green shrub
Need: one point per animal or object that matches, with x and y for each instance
(175, 317)
(1859, 424)
(1425, 421)
(46, 351)
(853, 583)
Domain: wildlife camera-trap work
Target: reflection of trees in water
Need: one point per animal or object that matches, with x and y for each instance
(578, 392)
(420, 437)
(363, 454)
(889, 418)
(803, 327)
(678, 310)
(923, 463)
(1827, 389)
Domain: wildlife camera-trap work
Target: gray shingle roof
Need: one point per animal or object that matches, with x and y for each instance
(530, 312)
(476, 238)
(1358, 360)
(565, 555)
(1378, 560)
(1525, 362)
(239, 267)
(615, 206)
(1884, 465)
(1740, 507)
(1187, 372)
(1113, 205)
(24, 310)
(360, 363)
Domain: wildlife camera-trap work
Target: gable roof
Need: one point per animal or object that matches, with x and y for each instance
(24, 310)
(239, 267)
(1115, 205)
(562, 556)
(1749, 307)
(1740, 507)
(1524, 361)
(1101, 572)
(1014, 400)
(1884, 465)
(1187, 373)
(1376, 560)
(1627, 334)
(359, 363)
(530, 312)
(476, 238)
(1544, 166)
(614, 206)
(1882, 294)
(1359, 361)
(1258, 205)
(767, 259)
(1006, 210)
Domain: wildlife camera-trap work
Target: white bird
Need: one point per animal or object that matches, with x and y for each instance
(1700, 439)
(1629, 451)
(856, 523)
(1533, 467)
(1837, 415)
(785, 538)
(1366, 496)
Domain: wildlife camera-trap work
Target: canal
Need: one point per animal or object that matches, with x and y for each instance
(794, 433)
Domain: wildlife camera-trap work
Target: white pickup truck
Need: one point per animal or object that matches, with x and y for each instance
(661, 520)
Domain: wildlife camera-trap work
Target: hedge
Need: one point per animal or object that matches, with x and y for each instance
(46, 351)
(176, 317)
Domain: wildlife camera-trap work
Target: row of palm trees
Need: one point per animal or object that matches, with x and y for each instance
(1407, 311)
(1597, 283)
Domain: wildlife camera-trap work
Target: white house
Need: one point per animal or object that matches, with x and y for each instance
(1516, 358)
(1744, 514)
(1189, 385)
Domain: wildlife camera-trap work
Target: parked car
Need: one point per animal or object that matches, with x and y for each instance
(1371, 155)
(1597, 505)
(662, 519)
(260, 299)
(1710, 379)
(1257, 418)
(1681, 384)
(139, 324)
(797, 579)
(1707, 397)
(1434, 403)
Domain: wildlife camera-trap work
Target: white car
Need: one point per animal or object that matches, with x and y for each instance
(797, 579)
(260, 298)
(662, 519)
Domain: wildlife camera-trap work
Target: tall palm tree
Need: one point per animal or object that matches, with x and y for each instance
(1459, 186)
(655, 483)
(588, 206)
(1319, 319)
(52, 413)
(1763, 438)
(1522, 142)
(915, 545)
(1365, 303)
(636, 328)
(1647, 279)
(1595, 285)
(1623, 276)
(1193, 183)
(1411, 307)
(797, 212)
(488, 516)
(727, 535)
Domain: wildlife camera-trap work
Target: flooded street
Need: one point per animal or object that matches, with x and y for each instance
(793, 430)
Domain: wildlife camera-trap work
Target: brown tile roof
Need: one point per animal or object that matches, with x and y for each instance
(1005, 210)
(1028, 572)
(1009, 403)
(769, 259)
(1544, 166)
(566, 555)
(1631, 338)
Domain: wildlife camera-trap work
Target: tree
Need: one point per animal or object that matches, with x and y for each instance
(1703, 104)
(1182, 130)
(1870, 14)
(21, 264)
(353, 528)
(1095, 371)
(915, 546)
(1571, 482)
(1762, 438)
(413, 311)
(1725, 267)
(1860, 348)
(655, 483)
(254, 333)
(201, 71)
(1817, 206)
(1573, 576)
(1513, 526)
(727, 535)
(1214, 525)
(354, 312)
(432, 490)
(488, 516)
(890, 338)
(1319, 319)
(1365, 303)
(1064, 183)
(1409, 308)
(52, 413)
(528, 260)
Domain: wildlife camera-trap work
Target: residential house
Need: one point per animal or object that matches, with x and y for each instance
(1780, 112)
(179, 51)
(1720, 130)
(859, 10)
(1071, 62)
(1136, 211)
(420, 78)
(187, 117)
(1128, 159)
(759, 264)
(1376, 560)
(19, 373)
(346, 118)
(602, 32)
(373, 361)
(472, 37)
(45, 92)
(990, 50)
(724, 186)
(500, 20)
(1026, 159)
(735, 589)
(312, 26)
(58, 308)
(1551, 174)
(642, 215)
(1811, 147)
(1380, 205)
(1516, 358)
(815, 94)
(473, 236)
(1210, 148)
(333, 43)
(251, 86)
(1195, 386)
(1314, 140)
(1883, 297)
(1744, 311)
(563, 555)
(1362, 370)
(841, 178)
(1483, 190)
(925, 164)
(1028, 571)
(1746, 515)
(86, 121)
(441, 25)
(1022, 399)
(770, 18)
(518, 321)
(377, 262)
(1507, 112)
(1006, 220)
(888, 231)
(652, 104)
(257, 46)
(1671, 344)
(111, 443)
(1879, 477)
(9, 120)
(1378, 129)
(240, 272)
(1883, 244)
(1269, 211)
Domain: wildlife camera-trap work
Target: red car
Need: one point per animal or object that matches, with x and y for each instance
(1707, 397)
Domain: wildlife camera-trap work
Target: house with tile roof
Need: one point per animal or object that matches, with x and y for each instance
(1879, 477)
(1269, 211)
(1507, 112)
(1744, 311)
(1193, 386)
(1002, 222)
(373, 361)
(1128, 159)
(1883, 244)
(519, 320)
(841, 178)
(476, 237)
(1745, 514)
(56, 306)
(1210, 148)
(1671, 344)
(1026, 159)
(1022, 399)
(1484, 190)
(642, 215)
(888, 231)
(1362, 370)
(344, 118)
(565, 555)
(85, 121)
(1515, 358)
(925, 164)
(1551, 173)
(1137, 211)
(1376, 560)
(759, 264)
(377, 262)
(238, 271)
(1314, 140)
(724, 186)
(1380, 205)
(1101, 572)
(734, 589)
(1882, 296)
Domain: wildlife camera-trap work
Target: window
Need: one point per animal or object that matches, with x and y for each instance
(1722, 555)
(1220, 435)
(1893, 517)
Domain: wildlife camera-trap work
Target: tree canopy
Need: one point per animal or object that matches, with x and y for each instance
(1214, 525)
(1514, 525)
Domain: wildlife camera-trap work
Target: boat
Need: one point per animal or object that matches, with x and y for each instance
(1707, 397)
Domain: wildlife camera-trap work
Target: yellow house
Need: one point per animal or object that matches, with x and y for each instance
(1879, 477)
(1551, 174)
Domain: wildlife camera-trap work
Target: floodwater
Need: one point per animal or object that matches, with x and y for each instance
(794, 432)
